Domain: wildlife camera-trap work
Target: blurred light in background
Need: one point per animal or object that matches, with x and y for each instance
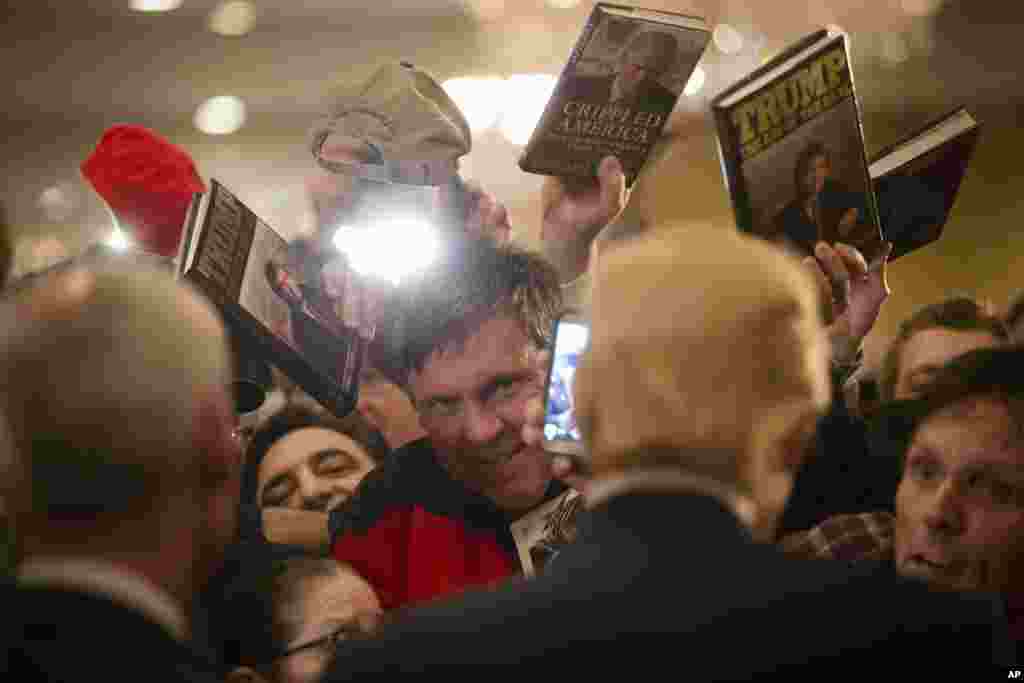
(117, 240)
(696, 82)
(221, 115)
(525, 97)
(920, 8)
(728, 40)
(233, 18)
(563, 4)
(155, 5)
(479, 99)
(372, 250)
(57, 202)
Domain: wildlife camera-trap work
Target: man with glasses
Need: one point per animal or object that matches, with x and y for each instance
(435, 518)
(284, 615)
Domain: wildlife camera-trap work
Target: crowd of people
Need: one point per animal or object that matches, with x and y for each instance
(747, 509)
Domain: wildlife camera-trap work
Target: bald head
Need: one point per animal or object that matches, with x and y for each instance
(107, 373)
(705, 349)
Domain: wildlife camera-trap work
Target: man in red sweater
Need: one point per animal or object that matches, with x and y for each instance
(434, 519)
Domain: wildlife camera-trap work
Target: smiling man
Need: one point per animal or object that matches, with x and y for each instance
(435, 518)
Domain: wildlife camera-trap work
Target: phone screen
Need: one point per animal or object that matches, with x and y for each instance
(571, 336)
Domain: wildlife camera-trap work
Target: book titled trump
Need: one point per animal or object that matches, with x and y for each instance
(309, 317)
(616, 92)
(791, 145)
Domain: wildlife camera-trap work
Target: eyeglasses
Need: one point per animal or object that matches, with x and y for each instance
(326, 642)
(349, 631)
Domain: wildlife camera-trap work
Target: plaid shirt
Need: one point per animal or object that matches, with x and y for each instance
(852, 538)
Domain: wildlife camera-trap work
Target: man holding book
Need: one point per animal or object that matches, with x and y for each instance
(434, 518)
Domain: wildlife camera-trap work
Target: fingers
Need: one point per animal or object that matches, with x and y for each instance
(836, 270)
(613, 186)
(854, 261)
(824, 287)
(879, 266)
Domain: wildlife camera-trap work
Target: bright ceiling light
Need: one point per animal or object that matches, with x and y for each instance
(525, 96)
(728, 40)
(155, 5)
(233, 18)
(479, 100)
(117, 240)
(221, 115)
(696, 82)
(391, 251)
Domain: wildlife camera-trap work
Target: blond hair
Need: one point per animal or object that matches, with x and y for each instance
(701, 338)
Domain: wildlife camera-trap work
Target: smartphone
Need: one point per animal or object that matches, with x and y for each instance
(561, 433)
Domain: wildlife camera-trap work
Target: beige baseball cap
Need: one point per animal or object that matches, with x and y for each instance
(398, 119)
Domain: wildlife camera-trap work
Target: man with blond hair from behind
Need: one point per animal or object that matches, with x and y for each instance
(706, 372)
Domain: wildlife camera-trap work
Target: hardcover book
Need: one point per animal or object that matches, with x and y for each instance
(616, 92)
(791, 145)
(312, 320)
(917, 179)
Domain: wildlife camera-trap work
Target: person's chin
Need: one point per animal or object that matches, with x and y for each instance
(522, 479)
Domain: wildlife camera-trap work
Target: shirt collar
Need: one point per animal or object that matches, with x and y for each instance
(669, 480)
(97, 577)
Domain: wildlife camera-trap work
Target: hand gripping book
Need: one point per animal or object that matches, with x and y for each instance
(312, 320)
(791, 145)
(616, 92)
(917, 179)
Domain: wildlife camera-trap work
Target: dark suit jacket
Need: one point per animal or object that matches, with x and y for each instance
(672, 583)
(65, 635)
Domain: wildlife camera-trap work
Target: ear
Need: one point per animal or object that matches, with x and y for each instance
(214, 437)
(244, 674)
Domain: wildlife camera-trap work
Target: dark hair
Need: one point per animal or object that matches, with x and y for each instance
(291, 419)
(959, 313)
(811, 151)
(476, 281)
(245, 615)
(996, 373)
